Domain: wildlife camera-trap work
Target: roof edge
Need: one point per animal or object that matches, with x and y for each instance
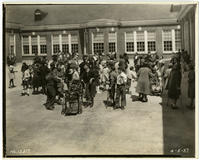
(93, 24)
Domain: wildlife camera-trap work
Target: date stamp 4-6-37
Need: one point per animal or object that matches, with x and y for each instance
(180, 150)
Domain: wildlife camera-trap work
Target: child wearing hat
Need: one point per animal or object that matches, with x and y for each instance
(11, 76)
(25, 82)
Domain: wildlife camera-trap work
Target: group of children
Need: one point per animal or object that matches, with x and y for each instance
(68, 82)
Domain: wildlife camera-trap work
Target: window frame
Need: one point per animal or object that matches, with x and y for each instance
(98, 42)
(173, 41)
(115, 43)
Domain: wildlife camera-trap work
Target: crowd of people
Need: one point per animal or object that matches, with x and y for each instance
(72, 84)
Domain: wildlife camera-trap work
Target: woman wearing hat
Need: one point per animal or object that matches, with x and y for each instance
(143, 84)
(174, 83)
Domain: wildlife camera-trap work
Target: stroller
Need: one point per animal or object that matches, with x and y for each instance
(72, 104)
(156, 88)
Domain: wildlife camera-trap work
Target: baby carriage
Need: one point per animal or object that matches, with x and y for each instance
(72, 99)
(155, 86)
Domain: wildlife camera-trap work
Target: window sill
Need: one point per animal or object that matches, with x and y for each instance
(32, 55)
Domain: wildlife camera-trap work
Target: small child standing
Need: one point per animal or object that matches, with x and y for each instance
(11, 76)
(121, 89)
(131, 77)
(25, 82)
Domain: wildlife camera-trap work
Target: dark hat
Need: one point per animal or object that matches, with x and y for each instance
(73, 66)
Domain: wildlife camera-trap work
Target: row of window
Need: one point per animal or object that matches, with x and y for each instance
(141, 42)
(38, 45)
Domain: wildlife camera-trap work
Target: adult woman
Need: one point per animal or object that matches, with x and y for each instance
(143, 85)
(174, 83)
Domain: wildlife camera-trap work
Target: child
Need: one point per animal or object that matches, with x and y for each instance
(25, 82)
(131, 77)
(112, 85)
(121, 89)
(11, 76)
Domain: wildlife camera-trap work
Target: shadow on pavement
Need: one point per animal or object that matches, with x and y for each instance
(178, 128)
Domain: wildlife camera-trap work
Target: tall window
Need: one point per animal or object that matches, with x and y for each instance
(74, 43)
(151, 41)
(98, 42)
(112, 40)
(140, 42)
(65, 43)
(26, 45)
(34, 45)
(56, 46)
(43, 45)
(177, 40)
(129, 42)
(12, 44)
(167, 40)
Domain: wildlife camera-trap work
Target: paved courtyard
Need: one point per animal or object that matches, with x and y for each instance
(141, 129)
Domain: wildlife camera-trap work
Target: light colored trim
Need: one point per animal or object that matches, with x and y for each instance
(30, 45)
(148, 22)
(92, 43)
(70, 44)
(125, 48)
(38, 43)
(14, 41)
(135, 41)
(145, 42)
(22, 45)
(173, 40)
(52, 44)
(116, 42)
(60, 42)
(94, 23)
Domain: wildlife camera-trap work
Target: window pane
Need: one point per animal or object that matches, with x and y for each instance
(65, 48)
(26, 49)
(167, 45)
(56, 48)
(74, 39)
(26, 44)
(140, 47)
(98, 47)
(177, 40)
(140, 36)
(43, 49)
(11, 40)
(129, 37)
(151, 46)
(151, 36)
(129, 46)
(112, 37)
(112, 47)
(98, 38)
(55, 39)
(167, 35)
(74, 48)
(65, 39)
(34, 49)
(11, 49)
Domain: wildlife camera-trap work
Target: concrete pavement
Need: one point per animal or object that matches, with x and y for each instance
(140, 129)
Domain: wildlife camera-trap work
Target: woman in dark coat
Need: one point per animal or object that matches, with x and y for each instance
(143, 84)
(191, 86)
(174, 83)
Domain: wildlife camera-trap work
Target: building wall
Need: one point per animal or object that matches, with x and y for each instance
(188, 32)
(88, 45)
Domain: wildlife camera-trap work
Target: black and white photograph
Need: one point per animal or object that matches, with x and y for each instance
(100, 80)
